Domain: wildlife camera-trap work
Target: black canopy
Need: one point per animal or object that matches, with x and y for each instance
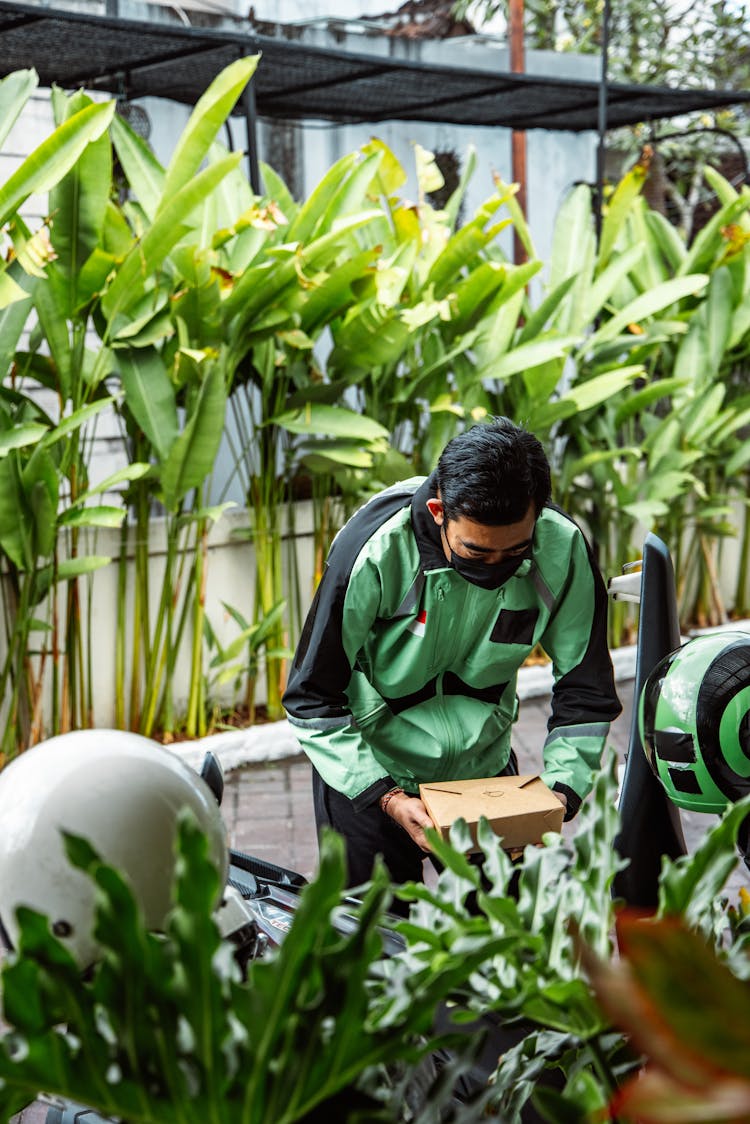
(296, 80)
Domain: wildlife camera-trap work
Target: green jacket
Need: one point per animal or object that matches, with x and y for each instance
(405, 672)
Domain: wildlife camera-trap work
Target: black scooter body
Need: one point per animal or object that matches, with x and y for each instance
(650, 825)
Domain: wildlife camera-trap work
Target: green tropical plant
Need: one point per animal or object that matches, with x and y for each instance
(254, 284)
(673, 455)
(175, 381)
(241, 660)
(543, 913)
(49, 277)
(334, 345)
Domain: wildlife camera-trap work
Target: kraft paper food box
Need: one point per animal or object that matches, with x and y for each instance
(520, 809)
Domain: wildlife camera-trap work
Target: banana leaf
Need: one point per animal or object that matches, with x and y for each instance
(191, 457)
(453, 206)
(573, 254)
(150, 397)
(334, 421)
(19, 436)
(15, 517)
(618, 208)
(717, 310)
(278, 192)
(710, 242)
(697, 416)
(369, 337)
(350, 195)
(571, 234)
(607, 281)
(13, 317)
(740, 325)
(74, 421)
(725, 192)
(526, 357)
(463, 248)
(332, 456)
(260, 285)
(332, 295)
(310, 214)
(71, 568)
(520, 226)
(167, 230)
(56, 334)
(409, 389)
(670, 245)
(537, 321)
(144, 173)
(55, 156)
(585, 396)
(195, 140)
(134, 471)
(15, 91)
(102, 515)
(78, 204)
(642, 399)
(647, 305)
(471, 299)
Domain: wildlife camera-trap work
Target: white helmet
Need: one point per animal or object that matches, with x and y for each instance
(123, 793)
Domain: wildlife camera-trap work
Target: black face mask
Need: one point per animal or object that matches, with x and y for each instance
(487, 575)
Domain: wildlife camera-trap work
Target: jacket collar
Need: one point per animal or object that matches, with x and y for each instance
(426, 530)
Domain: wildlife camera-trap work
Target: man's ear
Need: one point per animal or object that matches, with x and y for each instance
(435, 508)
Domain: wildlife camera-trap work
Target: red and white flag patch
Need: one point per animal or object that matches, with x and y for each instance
(418, 625)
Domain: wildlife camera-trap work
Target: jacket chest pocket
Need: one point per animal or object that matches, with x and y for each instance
(515, 626)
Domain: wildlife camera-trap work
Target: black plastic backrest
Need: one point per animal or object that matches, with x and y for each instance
(649, 822)
(213, 774)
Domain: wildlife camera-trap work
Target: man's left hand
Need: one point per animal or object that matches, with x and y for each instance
(561, 797)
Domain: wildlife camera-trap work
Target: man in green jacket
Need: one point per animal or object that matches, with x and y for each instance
(434, 594)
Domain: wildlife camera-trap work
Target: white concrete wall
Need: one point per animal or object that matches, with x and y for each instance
(230, 579)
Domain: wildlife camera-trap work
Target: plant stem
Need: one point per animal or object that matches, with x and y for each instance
(198, 585)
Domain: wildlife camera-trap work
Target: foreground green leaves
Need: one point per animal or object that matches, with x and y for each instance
(546, 922)
(165, 1028)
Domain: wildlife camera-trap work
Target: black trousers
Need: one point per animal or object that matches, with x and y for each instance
(370, 832)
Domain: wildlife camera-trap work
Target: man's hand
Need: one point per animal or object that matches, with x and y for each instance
(410, 813)
(561, 797)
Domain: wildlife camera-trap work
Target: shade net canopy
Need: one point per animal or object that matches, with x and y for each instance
(151, 57)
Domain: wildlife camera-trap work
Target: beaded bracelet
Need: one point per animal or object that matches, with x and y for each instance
(385, 800)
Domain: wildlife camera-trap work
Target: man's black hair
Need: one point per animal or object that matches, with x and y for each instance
(492, 472)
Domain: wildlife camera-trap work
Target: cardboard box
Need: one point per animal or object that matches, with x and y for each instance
(520, 809)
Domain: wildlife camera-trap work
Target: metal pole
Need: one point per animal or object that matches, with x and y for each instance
(601, 151)
(251, 125)
(518, 138)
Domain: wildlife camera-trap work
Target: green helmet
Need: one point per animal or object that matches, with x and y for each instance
(694, 720)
